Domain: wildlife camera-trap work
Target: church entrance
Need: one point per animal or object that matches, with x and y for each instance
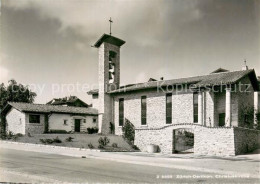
(183, 141)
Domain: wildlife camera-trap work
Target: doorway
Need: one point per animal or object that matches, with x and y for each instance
(77, 125)
(221, 119)
(183, 140)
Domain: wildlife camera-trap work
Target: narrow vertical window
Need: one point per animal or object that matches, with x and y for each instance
(143, 110)
(121, 112)
(195, 107)
(168, 108)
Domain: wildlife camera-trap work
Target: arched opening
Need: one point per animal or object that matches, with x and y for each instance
(183, 141)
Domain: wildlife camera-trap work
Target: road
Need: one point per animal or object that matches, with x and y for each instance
(25, 166)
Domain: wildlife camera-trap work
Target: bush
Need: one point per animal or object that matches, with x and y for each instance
(100, 147)
(3, 136)
(92, 130)
(43, 141)
(103, 141)
(69, 139)
(57, 140)
(9, 135)
(114, 145)
(58, 132)
(48, 141)
(19, 135)
(135, 147)
(90, 146)
(128, 131)
(15, 137)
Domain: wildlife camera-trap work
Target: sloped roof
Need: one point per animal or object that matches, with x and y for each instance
(66, 100)
(43, 108)
(109, 39)
(212, 79)
(93, 92)
(219, 70)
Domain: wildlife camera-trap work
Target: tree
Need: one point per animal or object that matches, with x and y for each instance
(129, 131)
(14, 92)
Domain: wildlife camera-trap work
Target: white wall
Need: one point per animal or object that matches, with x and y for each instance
(56, 122)
(15, 121)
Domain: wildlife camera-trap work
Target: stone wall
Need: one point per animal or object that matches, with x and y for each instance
(245, 101)
(34, 128)
(246, 140)
(219, 141)
(15, 121)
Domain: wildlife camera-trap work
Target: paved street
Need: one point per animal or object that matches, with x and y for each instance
(25, 166)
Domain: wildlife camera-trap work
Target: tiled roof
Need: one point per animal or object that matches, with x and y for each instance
(93, 91)
(221, 78)
(28, 107)
(70, 101)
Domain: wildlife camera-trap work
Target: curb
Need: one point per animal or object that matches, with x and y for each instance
(50, 146)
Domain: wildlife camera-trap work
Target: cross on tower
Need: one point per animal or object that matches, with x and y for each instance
(110, 22)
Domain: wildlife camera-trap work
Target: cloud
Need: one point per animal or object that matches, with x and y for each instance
(3, 75)
(90, 18)
(3, 71)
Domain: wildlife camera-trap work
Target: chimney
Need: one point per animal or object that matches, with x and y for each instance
(245, 67)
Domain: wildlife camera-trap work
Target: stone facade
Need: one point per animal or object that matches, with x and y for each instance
(18, 122)
(214, 103)
(246, 140)
(182, 109)
(219, 141)
(212, 137)
(34, 128)
(105, 100)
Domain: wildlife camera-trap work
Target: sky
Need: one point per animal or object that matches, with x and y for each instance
(47, 44)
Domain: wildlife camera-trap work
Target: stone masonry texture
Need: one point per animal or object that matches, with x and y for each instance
(218, 141)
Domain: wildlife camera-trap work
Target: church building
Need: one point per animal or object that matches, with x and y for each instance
(216, 107)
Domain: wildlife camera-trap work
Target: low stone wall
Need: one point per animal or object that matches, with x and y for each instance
(219, 141)
(246, 140)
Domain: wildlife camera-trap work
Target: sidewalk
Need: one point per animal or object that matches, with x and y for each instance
(239, 165)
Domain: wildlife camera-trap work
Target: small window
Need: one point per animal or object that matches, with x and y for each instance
(34, 118)
(168, 108)
(195, 108)
(65, 122)
(121, 112)
(94, 120)
(84, 120)
(143, 110)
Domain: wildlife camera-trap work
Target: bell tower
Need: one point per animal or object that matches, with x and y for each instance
(108, 77)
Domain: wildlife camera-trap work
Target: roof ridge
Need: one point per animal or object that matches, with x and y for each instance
(48, 105)
(249, 70)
